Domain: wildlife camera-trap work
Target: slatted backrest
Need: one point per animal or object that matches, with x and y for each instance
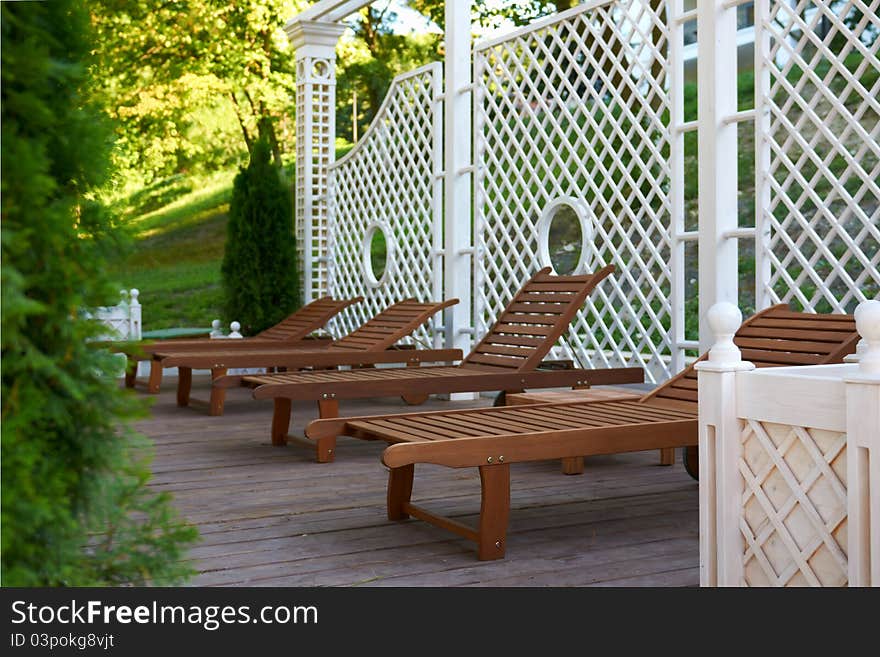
(307, 319)
(534, 320)
(775, 337)
(392, 324)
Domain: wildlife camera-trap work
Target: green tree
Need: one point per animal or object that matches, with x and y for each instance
(75, 507)
(260, 278)
(169, 66)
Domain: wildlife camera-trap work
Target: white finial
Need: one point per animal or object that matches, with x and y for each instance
(134, 294)
(868, 325)
(724, 319)
(123, 295)
(235, 327)
(216, 331)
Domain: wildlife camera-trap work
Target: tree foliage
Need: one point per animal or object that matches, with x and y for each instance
(195, 82)
(75, 507)
(260, 275)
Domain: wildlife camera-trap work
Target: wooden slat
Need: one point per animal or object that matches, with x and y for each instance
(523, 340)
(801, 323)
(790, 358)
(521, 318)
(549, 308)
(519, 329)
(794, 334)
(495, 361)
(504, 350)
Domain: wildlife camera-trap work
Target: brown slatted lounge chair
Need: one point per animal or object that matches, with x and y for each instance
(373, 342)
(506, 359)
(493, 438)
(296, 327)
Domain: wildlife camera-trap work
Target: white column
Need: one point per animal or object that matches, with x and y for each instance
(716, 94)
(457, 245)
(721, 486)
(863, 453)
(315, 44)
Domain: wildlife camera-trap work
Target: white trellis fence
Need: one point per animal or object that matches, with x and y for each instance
(763, 190)
(818, 145)
(390, 184)
(576, 108)
(124, 320)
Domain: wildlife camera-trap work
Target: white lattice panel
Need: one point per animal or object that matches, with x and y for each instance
(818, 105)
(392, 180)
(578, 107)
(315, 129)
(794, 505)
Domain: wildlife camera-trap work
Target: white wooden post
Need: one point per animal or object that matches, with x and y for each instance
(458, 263)
(717, 157)
(315, 44)
(863, 453)
(135, 322)
(719, 440)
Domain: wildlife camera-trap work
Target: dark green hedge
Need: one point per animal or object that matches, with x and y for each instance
(75, 507)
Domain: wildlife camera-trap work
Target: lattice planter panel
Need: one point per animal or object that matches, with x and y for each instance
(818, 131)
(578, 107)
(391, 182)
(794, 505)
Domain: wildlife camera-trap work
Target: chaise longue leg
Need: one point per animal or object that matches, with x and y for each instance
(184, 385)
(326, 448)
(131, 369)
(280, 421)
(400, 485)
(573, 465)
(494, 511)
(218, 394)
(414, 399)
(155, 376)
(667, 456)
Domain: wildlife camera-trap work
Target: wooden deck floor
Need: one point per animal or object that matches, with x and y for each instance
(271, 516)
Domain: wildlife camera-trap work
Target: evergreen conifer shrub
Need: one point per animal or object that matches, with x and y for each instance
(75, 506)
(260, 276)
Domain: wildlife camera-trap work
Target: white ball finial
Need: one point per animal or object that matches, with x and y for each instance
(868, 325)
(235, 327)
(724, 319)
(134, 294)
(216, 331)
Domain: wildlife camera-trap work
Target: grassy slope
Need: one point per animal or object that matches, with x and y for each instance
(176, 255)
(178, 233)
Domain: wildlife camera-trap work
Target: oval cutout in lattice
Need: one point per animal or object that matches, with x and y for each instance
(564, 234)
(377, 254)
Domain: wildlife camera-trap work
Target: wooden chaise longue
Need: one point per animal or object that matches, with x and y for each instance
(373, 342)
(294, 329)
(493, 438)
(507, 359)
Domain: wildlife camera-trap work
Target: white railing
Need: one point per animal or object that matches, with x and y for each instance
(124, 320)
(391, 182)
(789, 466)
